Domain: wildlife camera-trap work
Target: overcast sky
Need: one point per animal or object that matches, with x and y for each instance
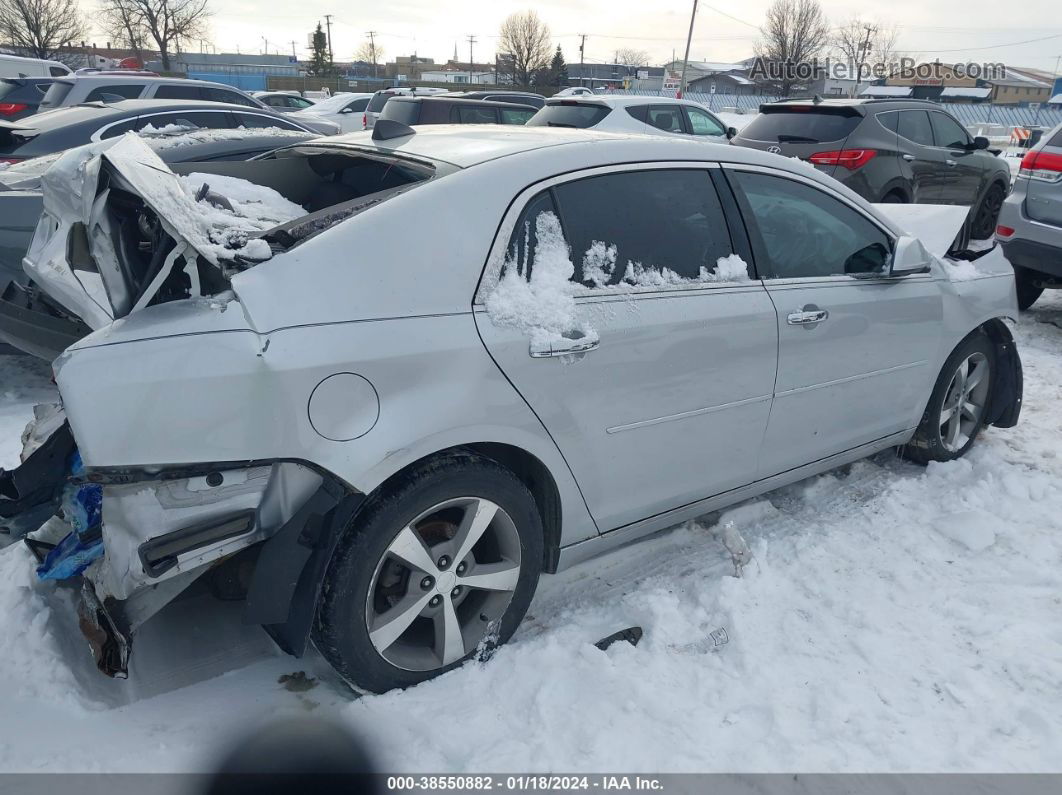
(975, 30)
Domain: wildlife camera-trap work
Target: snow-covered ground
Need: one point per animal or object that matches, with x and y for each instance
(891, 618)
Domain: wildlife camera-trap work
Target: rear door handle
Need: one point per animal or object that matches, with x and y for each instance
(951, 162)
(564, 347)
(807, 316)
(909, 158)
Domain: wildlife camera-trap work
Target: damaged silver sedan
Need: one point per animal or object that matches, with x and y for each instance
(374, 386)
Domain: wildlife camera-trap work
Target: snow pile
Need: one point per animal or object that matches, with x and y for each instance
(544, 304)
(171, 136)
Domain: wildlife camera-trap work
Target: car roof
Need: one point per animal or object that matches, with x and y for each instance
(621, 100)
(104, 111)
(467, 145)
(471, 101)
(139, 77)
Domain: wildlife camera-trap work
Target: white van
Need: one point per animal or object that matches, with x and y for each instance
(16, 66)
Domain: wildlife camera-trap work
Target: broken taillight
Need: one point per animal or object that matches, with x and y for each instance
(11, 108)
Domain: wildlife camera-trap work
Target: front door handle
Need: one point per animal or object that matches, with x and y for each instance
(951, 162)
(564, 347)
(806, 317)
(909, 158)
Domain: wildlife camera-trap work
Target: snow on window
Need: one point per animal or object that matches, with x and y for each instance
(543, 305)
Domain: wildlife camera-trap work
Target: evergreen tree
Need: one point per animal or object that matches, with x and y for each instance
(558, 70)
(320, 63)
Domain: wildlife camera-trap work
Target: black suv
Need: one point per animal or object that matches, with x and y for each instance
(454, 110)
(888, 150)
(21, 96)
(515, 97)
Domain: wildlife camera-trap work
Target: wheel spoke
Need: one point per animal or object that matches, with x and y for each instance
(477, 518)
(449, 642)
(971, 410)
(945, 413)
(501, 576)
(953, 431)
(962, 373)
(974, 378)
(388, 627)
(409, 548)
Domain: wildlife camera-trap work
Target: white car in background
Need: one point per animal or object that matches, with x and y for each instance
(346, 110)
(632, 114)
(575, 91)
(283, 101)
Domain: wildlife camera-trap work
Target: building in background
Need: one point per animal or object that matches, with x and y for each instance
(249, 72)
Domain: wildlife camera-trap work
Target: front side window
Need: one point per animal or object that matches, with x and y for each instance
(211, 94)
(665, 117)
(802, 232)
(299, 103)
(119, 129)
(176, 92)
(702, 123)
(357, 106)
(947, 132)
(515, 116)
(107, 93)
(275, 102)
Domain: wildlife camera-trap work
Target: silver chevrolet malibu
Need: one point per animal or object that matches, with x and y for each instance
(375, 385)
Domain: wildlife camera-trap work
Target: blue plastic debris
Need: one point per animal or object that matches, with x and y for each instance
(83, 507)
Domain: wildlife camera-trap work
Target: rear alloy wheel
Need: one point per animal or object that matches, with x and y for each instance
(984, 223)
(437, 569)
(958, 406)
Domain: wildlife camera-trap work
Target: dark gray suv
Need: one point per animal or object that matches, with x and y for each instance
(888, 151)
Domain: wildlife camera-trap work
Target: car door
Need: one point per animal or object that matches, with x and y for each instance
(962, 184)
(670, 404)
(925, 163)
(855, 346)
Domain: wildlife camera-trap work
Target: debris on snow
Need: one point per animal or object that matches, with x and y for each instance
(631, 635)
(740, 554)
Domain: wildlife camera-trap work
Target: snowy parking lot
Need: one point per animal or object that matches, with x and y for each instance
(892, 618)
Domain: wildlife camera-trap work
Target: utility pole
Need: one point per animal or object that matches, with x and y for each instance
(864, 48)
(328, 24)
(293, 53)
(471, 41)
(372, 51)
(686, 60)
(582, 72)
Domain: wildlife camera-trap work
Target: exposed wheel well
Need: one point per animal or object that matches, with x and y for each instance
(897, 191)
(534, 474)
(1005, 403)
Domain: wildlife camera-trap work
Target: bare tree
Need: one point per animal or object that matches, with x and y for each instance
(120, 24)
(41, 27)
(526, 39)
(629, 56)
(169, 24)
(859, 43)
(369, 52)
(794, 32)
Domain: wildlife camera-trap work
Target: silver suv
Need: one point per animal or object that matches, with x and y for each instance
(1030, 221)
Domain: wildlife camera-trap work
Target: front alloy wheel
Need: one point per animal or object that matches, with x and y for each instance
(963, 408)
(438, 566)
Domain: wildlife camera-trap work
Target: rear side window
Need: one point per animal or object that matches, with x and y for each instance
(801, 124)
(119, 129)
(177, 92)
(569, 114)
(401, 111)
(468, 114)
(276, 102)
(56, 93)
(1056, 139)
(377, 102)
(914, 126)
(58, 71)
(644, 228)
(523, 243)
(191, 120)
(947, 132)
(665, 117)
(101, 94)
(802, 232)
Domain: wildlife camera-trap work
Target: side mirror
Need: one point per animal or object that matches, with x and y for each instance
(980, 142)
(347, 110)
(909, 257)
(731, 132)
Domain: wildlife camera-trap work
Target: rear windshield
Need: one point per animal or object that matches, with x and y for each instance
(800, 125)
(8, 87)
(55, 95)
(1056, 139)
(569, 114)
(403, 110)
(377, 102)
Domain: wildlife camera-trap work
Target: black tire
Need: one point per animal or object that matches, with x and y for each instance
(894, 197)
(984, 220)
(928, 444)
(341, 631)
(1028, 292)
